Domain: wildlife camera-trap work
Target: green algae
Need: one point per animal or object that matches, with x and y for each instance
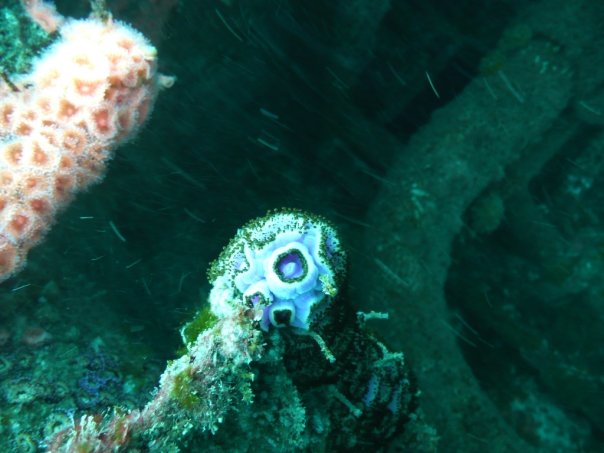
(203, 320)
(183, 392)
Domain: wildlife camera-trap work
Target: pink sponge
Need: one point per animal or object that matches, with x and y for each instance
(59, 125)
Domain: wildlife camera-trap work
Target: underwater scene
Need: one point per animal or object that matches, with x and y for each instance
(302, 226)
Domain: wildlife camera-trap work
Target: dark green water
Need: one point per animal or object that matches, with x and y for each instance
(457, 147)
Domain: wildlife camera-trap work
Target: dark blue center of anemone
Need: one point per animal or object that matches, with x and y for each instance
(291, 266)
(282, 317)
